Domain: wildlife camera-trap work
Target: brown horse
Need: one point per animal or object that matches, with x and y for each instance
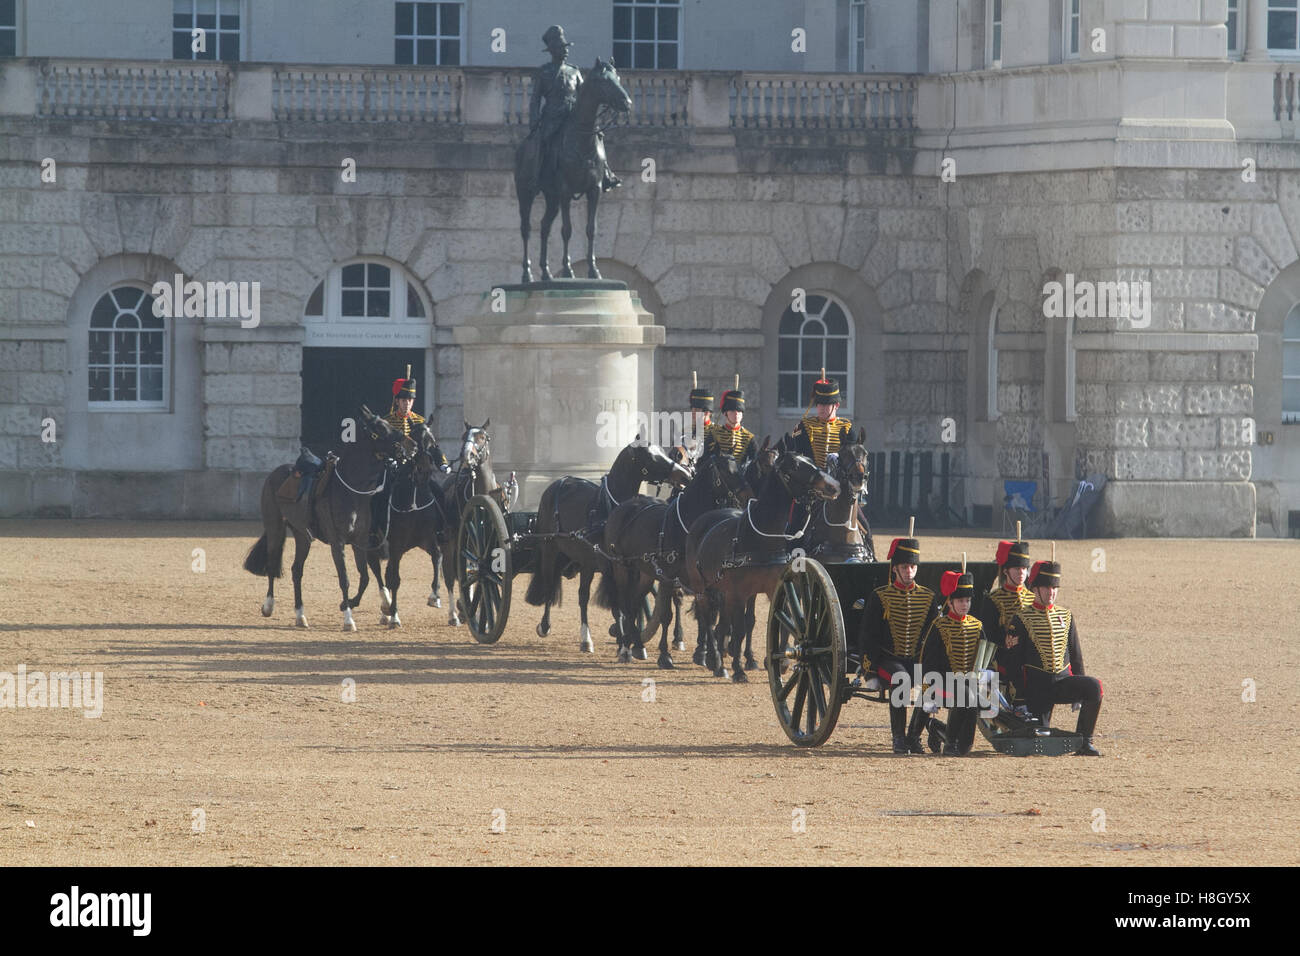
(570, 523)
(337, 513)
(733, 555)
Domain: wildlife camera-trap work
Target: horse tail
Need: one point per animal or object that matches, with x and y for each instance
(607, 591)
(256, 562)
(545, 587)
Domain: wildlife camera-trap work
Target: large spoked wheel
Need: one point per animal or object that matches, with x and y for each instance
(484, 569)
(806, 654)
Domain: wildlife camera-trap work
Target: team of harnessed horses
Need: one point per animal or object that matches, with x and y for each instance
(724, 535)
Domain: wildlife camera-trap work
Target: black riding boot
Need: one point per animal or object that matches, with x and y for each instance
(1087, 724)
(919, 718)
(897, 725)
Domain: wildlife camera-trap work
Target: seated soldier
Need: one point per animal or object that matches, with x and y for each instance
(1008, 598)
(689, 445)
(896, 616)
(1045, 652)
(948, 648)
(401, 417)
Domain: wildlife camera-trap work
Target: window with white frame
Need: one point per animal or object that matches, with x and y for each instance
(819, 337)
(1234, 27)
(1071, 25)
(8, 28)
(365, 290)
(1282, 25)
(995, 32)
(647, 34)
(127, 359)
(428, 34)
(858, 35)
(219, 21)
(1291, 366)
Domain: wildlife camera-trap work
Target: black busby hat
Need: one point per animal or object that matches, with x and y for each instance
(403, 388)
(1045, 574)
(955, 584)
(905, 551)
(1013, 554)
(702, 399)
(553, 33)
(733, 400)
(826, 391)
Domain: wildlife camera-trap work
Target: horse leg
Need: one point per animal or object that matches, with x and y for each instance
(548, 218)
(394, 581)
(385, 596)
(750, 618)
(736, 611)
(525, 213)
(585, 642)
(679, 642)
(341, 566)
(363, 575)
(449, 580)
(301, 545)
(721, 636)
(659, 619)
(435, 555)
(593, 200)
(566, 231)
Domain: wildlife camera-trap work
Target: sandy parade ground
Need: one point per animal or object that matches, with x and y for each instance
(228, 738)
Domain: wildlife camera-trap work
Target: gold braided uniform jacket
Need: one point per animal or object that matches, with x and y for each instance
(1003, 604)
(816, 439)
(403, 423)
(949, 644)
(895, 620)
(1047, 641)
(721, 439)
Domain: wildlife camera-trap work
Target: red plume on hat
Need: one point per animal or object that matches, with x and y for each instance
(892, 546)
(1004, 551)
(1033, 572)
(948, 583)
(397, 385)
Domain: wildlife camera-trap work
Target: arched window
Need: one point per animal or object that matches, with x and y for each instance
(1291, 366)
(819, 337)
(365, 290)
(127, 360)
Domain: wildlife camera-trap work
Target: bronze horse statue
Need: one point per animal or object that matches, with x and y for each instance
(578, 169)
(337, 512)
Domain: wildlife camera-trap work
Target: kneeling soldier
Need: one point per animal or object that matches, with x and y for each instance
(895, 618)
(949, 648)
(1047, 659)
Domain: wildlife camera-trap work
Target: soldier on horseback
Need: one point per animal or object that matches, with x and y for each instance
(556, 83)
(689, 447)
(729, 437)
(402, 418)
(819, 436)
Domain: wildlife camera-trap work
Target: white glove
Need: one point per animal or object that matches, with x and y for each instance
(1076, 706)
(832, 459)
(445, 469)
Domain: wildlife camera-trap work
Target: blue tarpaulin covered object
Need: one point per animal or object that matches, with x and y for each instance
(1019, 495)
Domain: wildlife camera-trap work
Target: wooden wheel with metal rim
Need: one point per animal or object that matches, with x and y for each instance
(806, 653)
(483, 569)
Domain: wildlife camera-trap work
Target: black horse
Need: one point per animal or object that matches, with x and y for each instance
(838, 530)
(733, 555)
(570, 524)
(416, 518)
(645, 539)
(337, 513)
(579, 169)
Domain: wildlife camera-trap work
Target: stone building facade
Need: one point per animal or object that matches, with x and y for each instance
(930, 209)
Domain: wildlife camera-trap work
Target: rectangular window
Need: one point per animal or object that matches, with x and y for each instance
(205, 30)
(8, 28)
(1233, 27)
(1072, 27)
(647, 34)
(1282, 25)
(427, 34)
(995, 33)
(858, 36)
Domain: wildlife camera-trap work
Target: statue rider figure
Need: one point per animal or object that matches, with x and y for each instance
(557, 83)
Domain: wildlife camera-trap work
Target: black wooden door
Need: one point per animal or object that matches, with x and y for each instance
(337, 381)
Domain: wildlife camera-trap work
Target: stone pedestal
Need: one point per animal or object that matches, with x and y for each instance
(561, 368)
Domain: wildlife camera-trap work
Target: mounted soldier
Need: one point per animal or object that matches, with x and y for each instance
(555, 88)
(689, 447)
(402, 418)
(820, 434)
(729, 437)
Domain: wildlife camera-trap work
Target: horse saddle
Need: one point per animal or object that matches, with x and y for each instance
(302, 480)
